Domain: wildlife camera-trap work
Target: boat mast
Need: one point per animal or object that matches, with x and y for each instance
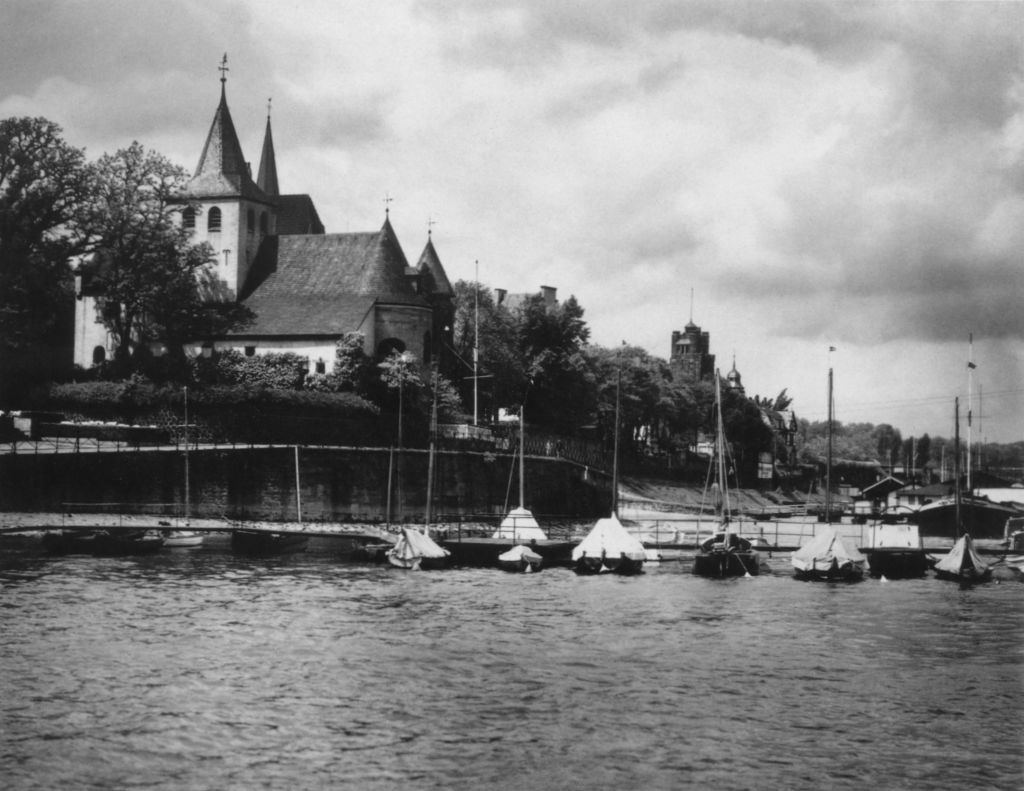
(956, 468)
(298, 488)
(615, 446)
(970, 379)
(724, 512)
(430, 456)
(828, 461)
(188, 501)
(522, 455)
(476, 338)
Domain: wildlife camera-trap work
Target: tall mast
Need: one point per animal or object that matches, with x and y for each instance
(188, 502)
(522, 455)
(720, 453)
(430, 457)
(615, 446)
(298, 487)
(956, 467)
(970, 380)
(828, 461)
(476, 337)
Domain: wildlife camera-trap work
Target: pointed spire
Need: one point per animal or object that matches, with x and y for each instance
(222, 169)
(266, 178)
(222, 152)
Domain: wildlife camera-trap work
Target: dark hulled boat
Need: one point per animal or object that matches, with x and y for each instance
(725, 553)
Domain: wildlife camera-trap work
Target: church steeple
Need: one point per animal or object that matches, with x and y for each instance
(266, 178)
(222, 168)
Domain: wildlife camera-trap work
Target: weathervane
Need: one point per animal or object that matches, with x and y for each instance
(223, 68)
(269, 100)
(387, 200)
(431, 222)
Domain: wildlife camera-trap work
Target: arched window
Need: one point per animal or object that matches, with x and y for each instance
(321, 366)
(388, 346)
(263, 222)
(99, 354)
(213, 220)
(188, 218)
(251, 222)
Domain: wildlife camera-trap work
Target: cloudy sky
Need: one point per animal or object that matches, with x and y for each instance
(817, 174)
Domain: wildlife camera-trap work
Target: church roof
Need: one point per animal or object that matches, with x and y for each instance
(324, 284)
(430, 264)
(266, 178)
(222, 169)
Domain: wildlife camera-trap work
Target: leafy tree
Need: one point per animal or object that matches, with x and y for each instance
(43, 181)
(153, 283)
(399, 372)
(551, 342)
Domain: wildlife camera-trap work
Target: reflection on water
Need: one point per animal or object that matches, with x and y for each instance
(197, 669)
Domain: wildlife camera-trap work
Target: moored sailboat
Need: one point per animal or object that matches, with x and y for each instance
(725, 553)
(962, 563)
(415, 549)
(609, 547)
(829, 557)
(184, 538)
(258, 541)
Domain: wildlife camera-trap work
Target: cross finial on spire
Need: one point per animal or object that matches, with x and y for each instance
(269, 100)
(431, 222)
(223, 69)
(387, 200)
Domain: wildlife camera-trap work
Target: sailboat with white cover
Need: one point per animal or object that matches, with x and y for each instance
(518, 527)
(415, 549)
(829, 557)
(609, 547)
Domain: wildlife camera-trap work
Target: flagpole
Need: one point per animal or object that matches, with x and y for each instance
(970, 380)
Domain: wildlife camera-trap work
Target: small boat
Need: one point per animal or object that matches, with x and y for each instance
(828, 557)
(962, 563)
(609, 547)
(417, 551)
(70, 542)
(520, 558)
(126, 542)
(726, 553)
(896, 552)
(182, 538)
(267, 542)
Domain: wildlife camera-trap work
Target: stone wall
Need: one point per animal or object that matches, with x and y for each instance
(337, 484)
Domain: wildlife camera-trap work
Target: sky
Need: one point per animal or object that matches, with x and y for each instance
(792, 176)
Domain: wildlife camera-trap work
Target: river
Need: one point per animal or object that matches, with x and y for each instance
(197, 669)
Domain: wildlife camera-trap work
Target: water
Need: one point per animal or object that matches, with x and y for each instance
(199, 670)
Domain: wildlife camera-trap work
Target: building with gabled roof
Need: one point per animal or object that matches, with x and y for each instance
(306, 288)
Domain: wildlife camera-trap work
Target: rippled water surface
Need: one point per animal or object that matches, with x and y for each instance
(194, 669)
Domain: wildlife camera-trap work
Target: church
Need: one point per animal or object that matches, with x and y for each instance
(306, 288)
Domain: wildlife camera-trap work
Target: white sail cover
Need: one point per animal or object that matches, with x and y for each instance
(610, 538)
(519, 552)
(820, 551)
(962, 557)
(519, 525)
(413, 545)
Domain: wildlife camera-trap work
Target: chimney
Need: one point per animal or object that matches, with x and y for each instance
(549, 293)
(499, 295)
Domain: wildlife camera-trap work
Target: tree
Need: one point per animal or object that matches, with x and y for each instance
(154, 285)
(43, 182)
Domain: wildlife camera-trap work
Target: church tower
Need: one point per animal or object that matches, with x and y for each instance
(228, 209)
